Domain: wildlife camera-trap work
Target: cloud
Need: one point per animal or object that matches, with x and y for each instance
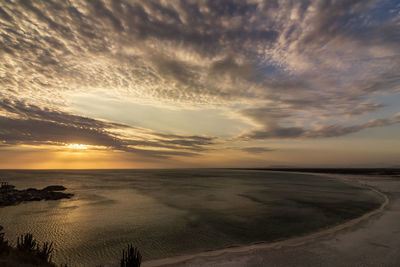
(338, 130)
(257, 150)
(167, 50)
(365, 108)
(30, 124)
(275, 131)
(282, 64)
(29, 111)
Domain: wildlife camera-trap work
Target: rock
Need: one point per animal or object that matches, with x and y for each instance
(13, 197)
(54, 188)
(31, 189)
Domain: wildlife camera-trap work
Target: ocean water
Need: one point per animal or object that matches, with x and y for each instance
(173, 212)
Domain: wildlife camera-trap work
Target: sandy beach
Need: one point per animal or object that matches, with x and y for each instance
(371, 240)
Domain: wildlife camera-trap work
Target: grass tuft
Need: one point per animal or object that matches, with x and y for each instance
(45, 251)
(131, 257)
(26, 243)
(4, 247)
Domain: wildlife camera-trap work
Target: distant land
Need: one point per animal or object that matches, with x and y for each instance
(355, 171)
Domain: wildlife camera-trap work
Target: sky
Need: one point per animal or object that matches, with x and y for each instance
(187, 84)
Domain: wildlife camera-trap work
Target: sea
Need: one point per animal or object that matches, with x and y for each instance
(167, 213)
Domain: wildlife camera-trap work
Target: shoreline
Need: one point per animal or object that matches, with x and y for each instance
(295, 241)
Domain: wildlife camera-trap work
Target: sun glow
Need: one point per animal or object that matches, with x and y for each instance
(77, 146)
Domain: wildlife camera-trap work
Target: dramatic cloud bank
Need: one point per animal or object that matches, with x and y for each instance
(30, 124)
(290, 69)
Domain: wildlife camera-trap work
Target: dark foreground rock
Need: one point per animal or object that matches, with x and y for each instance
(11, 196)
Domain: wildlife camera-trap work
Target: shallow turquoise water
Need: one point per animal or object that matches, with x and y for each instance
(173, 212)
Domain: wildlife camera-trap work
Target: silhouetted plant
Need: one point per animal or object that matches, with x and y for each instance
(131, 257)
(4, 247)
(45, 251)
(26, 242)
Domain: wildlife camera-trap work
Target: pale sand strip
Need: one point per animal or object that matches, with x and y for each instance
(291, 242)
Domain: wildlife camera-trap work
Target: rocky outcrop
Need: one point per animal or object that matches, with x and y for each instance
(54, 188)
(11, 196)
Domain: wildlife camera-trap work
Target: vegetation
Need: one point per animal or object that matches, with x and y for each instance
(45, 252)
(28, 244)
(131, 257)
(29, 252)
(4, 247)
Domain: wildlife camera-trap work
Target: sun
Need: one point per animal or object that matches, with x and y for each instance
(77, 146)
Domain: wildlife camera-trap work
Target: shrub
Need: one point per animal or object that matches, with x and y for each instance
(131, 257)
(26, 243)
(44, 252)
(4, 247)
